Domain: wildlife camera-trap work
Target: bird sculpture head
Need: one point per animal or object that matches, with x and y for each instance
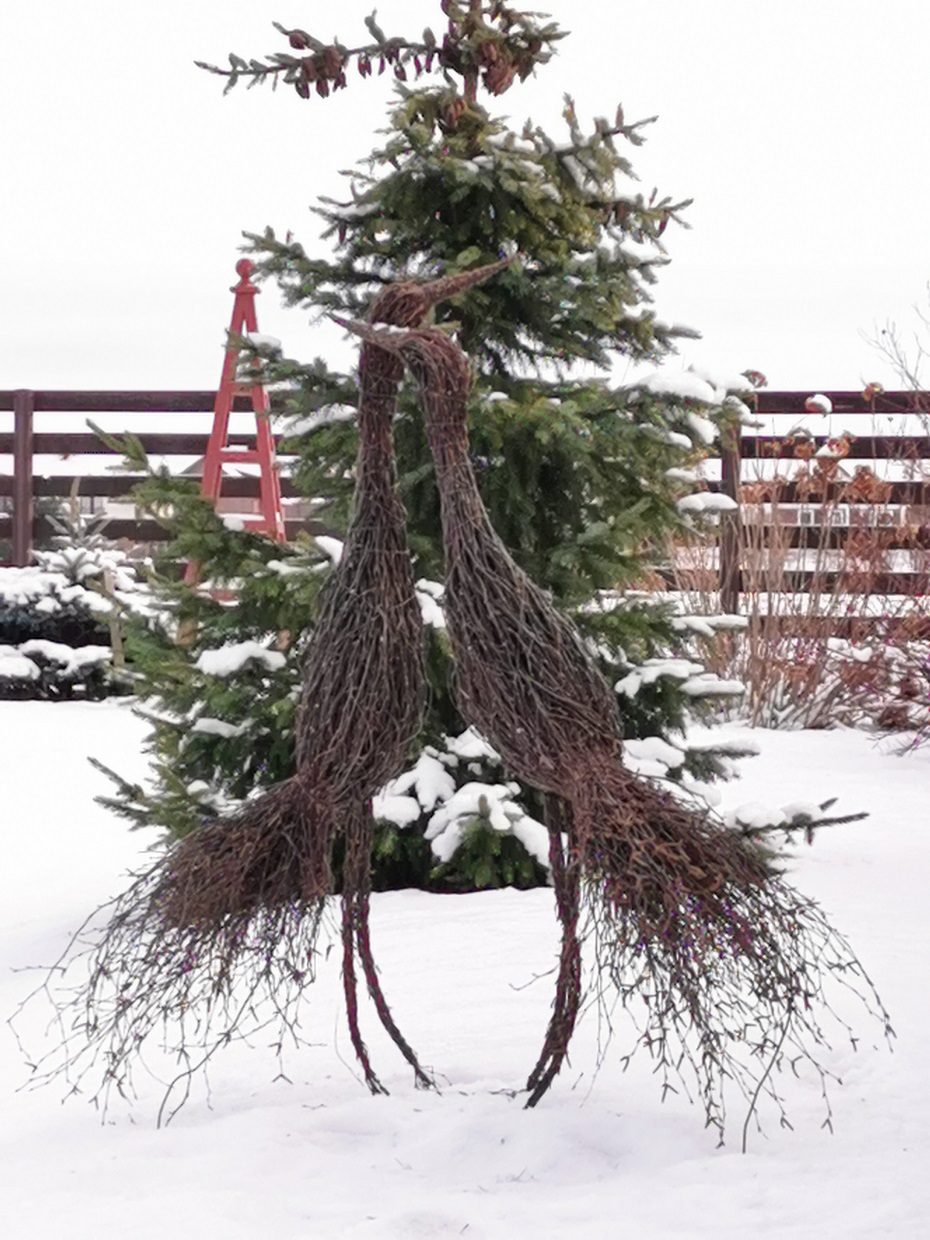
(437, 363)
(408, 304)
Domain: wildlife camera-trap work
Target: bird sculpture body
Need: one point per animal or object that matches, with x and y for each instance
(685, 913)
(225, 924)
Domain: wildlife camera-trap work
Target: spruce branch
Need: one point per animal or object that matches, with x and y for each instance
(805, 823)
(129, 447)
(489, 43)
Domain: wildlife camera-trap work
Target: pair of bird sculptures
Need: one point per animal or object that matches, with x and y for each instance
(686, 915)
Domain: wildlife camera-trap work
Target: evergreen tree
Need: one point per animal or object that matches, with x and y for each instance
(583, 480)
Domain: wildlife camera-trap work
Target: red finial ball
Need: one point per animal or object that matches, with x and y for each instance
(244, 268)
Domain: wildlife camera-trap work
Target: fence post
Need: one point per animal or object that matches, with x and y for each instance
(23, 408)
(730, 521)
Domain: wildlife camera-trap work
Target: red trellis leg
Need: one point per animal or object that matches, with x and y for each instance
(270, 485)
(271, 521)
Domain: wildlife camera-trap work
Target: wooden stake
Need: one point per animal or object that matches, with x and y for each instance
(113, 621)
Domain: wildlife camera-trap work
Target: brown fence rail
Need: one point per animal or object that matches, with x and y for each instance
(838, 479)
(21, 527)
(741, 472)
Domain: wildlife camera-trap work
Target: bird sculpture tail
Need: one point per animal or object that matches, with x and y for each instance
(724, 966)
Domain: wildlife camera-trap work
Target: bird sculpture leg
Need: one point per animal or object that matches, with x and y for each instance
(355, 868)
(373, 981)
(565, 872)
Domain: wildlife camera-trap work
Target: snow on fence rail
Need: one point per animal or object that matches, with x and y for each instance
(816, 472)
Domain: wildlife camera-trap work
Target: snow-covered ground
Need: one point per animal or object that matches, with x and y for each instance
(600, 1157)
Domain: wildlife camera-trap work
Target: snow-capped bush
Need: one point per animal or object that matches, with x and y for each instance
(57, 617)
(478, 831)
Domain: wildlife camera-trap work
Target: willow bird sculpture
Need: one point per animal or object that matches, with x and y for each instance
(363, 687)
(690, 918)
(230, 915)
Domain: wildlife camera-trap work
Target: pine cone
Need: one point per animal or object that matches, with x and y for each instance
(500, 76)
(452, 113)
(333, 61)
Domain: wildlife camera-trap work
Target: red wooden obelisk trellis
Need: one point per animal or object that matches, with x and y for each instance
(270, 521)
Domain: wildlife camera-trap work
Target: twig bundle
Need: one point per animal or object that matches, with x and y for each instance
(688, 916)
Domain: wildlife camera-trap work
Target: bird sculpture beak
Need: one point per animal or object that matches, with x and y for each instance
(451, 286)
(393, 339)
(384, 336)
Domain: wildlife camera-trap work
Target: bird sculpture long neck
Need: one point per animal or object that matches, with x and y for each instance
(444, 394)
(376, 469)
(448, 440)
(407, 306)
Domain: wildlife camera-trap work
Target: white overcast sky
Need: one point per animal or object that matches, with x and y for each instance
(799, 128)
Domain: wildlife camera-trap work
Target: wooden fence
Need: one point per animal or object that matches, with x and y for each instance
(743, 471)
(861, 469)
(20, 527)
